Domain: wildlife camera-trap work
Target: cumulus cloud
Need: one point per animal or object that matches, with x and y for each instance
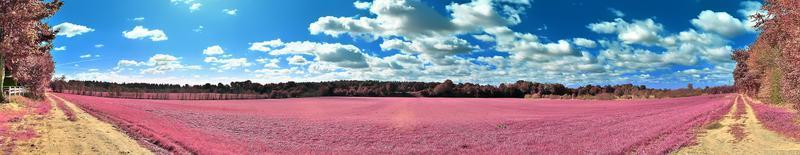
(213, 50)
(86, 56)
(750, 8)
(158, 64)
(222, 64)
(347, 56)
(639, 32)
(361, 5)
(194, 7)
(265, 46)
(297, 60)
(719, 22)
(231, 12)
(269, 63)
(70, 30)
(412, 27)
(583, 42)
(60, 48)
(138, 19)
(139, 32)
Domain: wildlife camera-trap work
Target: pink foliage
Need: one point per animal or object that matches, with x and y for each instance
(780, 120)
(67, 111)
(411, 125)
(8, 135)
(737, 130)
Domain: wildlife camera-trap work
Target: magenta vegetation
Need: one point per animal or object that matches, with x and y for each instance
(737, 130)
(776, 119)
(411, 125)
(67, 111)
(10, 134)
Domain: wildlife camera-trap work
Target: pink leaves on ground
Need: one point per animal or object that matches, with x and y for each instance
(411, 125)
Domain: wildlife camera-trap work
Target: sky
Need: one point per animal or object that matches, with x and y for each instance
(662, 44)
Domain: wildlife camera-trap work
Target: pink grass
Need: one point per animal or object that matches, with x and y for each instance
(411, 125)
(737, 130)
(8, 135)
(780, 120)
(67, 111)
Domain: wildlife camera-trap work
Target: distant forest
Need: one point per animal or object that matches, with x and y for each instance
(251, 90)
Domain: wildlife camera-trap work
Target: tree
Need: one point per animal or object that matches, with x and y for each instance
(443, 89)
(25, 42)
(781, 28)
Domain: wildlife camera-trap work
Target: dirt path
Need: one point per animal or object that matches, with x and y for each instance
(756, 140)
(86, 135)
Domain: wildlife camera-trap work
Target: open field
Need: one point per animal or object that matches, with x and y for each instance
(411, 125)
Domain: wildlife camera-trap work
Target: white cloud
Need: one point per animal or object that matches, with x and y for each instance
(269, 63)
(228, 63)
(616, 12)
(162, 63)
(99, 46)
(139, 32)
(138, 19)
(213, 50)
(346, 56)
(198, 29)
(297, 60)
(420, 28)
(361, 5)
(719, 22)
(639, 32)
(231, 12)
(128, 63)
(750, 8)
(583, 42)
(93, 70)
(265, 46)
(61, 48)
(70, 30)
(86, 56)
(194, 7)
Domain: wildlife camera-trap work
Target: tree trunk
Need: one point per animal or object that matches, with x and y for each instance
(2, 78)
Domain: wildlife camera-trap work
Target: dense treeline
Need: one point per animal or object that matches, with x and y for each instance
(251, 90)
(768, 69)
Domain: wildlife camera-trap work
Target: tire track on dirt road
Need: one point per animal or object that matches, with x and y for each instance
(757, 140)
(86, 135)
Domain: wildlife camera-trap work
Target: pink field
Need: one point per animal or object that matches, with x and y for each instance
(411, 125)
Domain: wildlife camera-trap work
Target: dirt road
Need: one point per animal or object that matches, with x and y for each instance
(755, 140)
(86, 135)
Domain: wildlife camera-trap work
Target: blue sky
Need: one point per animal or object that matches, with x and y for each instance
(664, 44)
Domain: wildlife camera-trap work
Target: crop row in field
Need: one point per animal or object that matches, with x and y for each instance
(412, 125)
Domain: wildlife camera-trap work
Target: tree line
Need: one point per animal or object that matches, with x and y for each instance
(768, 69)
(251, 90)
(25, 43)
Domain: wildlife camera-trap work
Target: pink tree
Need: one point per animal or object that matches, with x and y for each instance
(25, 42)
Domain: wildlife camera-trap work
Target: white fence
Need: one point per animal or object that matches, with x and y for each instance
(14, 90)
